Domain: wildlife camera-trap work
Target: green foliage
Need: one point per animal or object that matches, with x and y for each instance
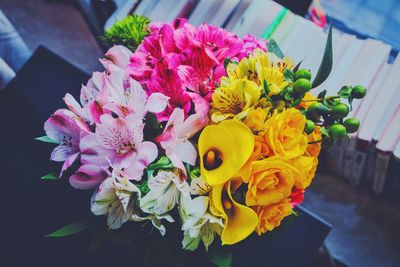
(50, 176)
(70, 229)
(345, 92)
(46, 139)
(129, 32)
(221, 257)
(326, 63)
(274, 48)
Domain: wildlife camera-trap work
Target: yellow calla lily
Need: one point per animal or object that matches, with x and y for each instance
(223, 150)
(240, 220)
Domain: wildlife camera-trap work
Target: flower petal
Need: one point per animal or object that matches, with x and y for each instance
(88, 177)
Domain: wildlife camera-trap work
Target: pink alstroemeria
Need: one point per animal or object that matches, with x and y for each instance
(251, 43)
(218, 42)
(67, 129)
(134, 100)
(117, 55)
(175, 138)
(119, 141)
(88, 177)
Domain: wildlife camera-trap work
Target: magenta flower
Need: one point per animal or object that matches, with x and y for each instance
(250, 43)
(119, 142)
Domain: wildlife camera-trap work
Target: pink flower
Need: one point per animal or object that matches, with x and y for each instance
(119, 141)
(88, 177)
(117, 55)
(218, 42)
(175, 138)
(67, 129)
(134, 100)
(250, 43)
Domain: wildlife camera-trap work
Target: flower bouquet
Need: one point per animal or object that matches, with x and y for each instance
(195, 130)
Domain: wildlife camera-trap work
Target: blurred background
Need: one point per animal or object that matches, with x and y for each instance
(357, 187)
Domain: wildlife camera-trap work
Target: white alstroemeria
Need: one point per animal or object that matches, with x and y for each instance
(116, 199)
(198, 224)
(165, 190)
(199, 187)
(155, 220)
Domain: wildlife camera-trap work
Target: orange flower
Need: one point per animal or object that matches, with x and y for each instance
(271, 216)
(271, 181)
(260, 151)
(314, 149)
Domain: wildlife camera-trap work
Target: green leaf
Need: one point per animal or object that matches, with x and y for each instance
(296, 68)
(295, 103)
(266, 88)
(326, 63)
(70, 229)
(221, 258)
(227, 61)
(162, 163)
(50, 176)
(288, 74)
(46, 139)
(287, 93)
(322, 94)
(345, 92)
(274, 48)
(151, 128)
(324, 131)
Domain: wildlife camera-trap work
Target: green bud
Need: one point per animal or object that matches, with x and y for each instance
(337, 131)
(358, 92)
(302, 74)
(352, 125)
(340, 110)
(309, 127)
(302, 85)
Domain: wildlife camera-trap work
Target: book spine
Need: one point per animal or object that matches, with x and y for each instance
(381, 167)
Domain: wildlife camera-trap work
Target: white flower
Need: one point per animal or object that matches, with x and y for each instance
(165, 190)
(199, 187)
(155, 220)
(116, 198)
(197, 223)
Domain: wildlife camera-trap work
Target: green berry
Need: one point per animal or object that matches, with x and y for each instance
(340, 110)
(352, 125)
(302, 85)
(309, 127)
(302, 74)
(358, 92)
(337, 131)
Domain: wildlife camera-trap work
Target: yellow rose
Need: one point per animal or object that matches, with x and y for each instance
(271, 216)
(314, 149)
(271, 180)
(285, 133)
(306, 167)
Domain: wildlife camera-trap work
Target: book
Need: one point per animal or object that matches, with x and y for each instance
(256, 17)
(212, 12)
(373, 55)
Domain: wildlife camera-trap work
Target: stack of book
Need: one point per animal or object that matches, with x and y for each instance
(372, 155)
